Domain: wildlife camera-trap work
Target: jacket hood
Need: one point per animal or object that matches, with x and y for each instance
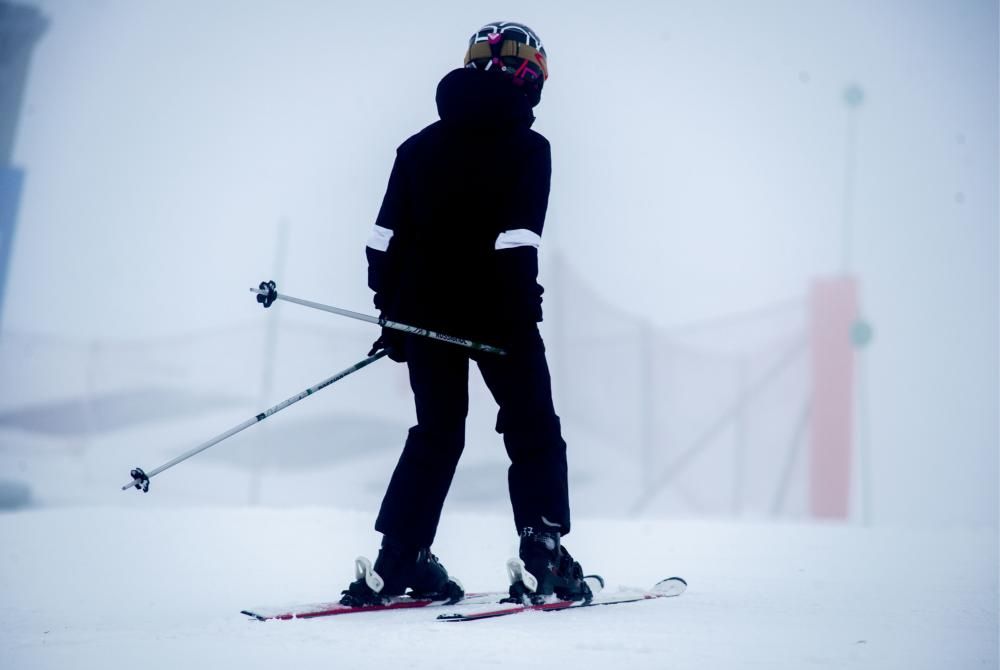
(482, 99)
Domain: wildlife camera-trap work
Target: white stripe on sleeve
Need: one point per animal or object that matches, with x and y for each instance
(522, 237)
(379, 240)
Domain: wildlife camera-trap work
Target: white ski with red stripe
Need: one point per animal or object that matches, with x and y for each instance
(322, 609)
(667, 588)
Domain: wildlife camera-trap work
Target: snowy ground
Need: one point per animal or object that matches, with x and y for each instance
(156, 587)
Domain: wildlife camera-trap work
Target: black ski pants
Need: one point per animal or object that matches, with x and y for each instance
(521, 386)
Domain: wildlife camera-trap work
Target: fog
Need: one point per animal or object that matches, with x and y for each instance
(708, 167)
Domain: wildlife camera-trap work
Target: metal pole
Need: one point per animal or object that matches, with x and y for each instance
(864, 444)
(740, 443)
(646, 404)
(140, 479)
(266, 295)
(854, 95)
(794, 446)
(267, 372)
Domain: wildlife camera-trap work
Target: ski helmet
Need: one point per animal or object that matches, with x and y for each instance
(512, 49)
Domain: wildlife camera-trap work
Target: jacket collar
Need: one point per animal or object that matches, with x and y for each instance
(475, 98)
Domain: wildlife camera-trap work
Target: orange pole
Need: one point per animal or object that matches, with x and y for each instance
(833, 306)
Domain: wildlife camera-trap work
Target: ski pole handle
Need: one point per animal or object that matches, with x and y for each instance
(267, 293)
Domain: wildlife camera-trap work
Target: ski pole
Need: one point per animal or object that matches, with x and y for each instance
(140, 479)
(267, 294)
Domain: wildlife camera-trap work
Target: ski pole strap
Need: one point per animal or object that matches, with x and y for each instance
(140, 479)
(267, 293)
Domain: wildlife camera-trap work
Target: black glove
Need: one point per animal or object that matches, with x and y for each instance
(521, 337)
(394, 343)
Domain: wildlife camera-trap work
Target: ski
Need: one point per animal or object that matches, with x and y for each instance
(363, 570)
(313, 610)
(667, 588)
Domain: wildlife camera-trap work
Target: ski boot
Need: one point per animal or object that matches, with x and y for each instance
(545, 569)
(397, 569)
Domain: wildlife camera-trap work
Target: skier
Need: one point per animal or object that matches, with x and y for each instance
(455, 249)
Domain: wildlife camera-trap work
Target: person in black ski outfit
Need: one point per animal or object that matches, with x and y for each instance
(455, 250)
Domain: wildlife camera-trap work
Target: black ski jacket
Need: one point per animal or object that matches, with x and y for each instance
(455, 245)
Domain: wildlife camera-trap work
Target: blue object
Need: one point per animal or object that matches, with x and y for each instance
(11, 181)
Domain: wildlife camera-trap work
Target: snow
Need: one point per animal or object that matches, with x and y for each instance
(162, 587)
